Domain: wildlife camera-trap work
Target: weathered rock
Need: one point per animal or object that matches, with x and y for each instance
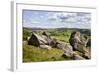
(44, 39)
(88, 43)
(50, 41)
(76, 56)
(87, 53)
(46, 34)
(67, 48)
(81, 48)
(84, 39)
(78, 42)
(45, 47)
(60, 45)
(53, 42)
(36, 40)
(75, 40)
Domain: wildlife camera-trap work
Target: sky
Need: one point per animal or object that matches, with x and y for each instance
(56, 19)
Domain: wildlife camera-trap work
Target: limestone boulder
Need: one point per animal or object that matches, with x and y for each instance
(76, 56)
(36, 40)
(45, 47)
(67, 48)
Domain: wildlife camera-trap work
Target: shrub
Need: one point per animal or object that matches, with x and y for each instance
(26, 34)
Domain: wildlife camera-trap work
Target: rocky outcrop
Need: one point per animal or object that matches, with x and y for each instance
(45, 47)
(76, 48)
(79, 43)
(67, 48)
(36, 40)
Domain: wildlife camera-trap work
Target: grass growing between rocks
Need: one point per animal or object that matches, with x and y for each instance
(35, 54)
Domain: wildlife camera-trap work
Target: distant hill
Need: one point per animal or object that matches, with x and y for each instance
(35, 28)
(86, 31)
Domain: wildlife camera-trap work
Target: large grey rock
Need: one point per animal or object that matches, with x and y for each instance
(76, 56)
(78, 42)
(81, 48)
(45, 47)
(75, 40)
(43, 41)
(87, 53)
(36, 40)
(67, 48)
(50, 41)
(88, 43)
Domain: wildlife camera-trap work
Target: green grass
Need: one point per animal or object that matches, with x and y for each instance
(35, 54)
(62, 35)
(62, 38)
(26, 34)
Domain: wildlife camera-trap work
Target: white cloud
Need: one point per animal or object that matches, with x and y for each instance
(59, 19)
(63, 17)
(34, 22)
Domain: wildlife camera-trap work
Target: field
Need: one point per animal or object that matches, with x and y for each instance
(36, 54)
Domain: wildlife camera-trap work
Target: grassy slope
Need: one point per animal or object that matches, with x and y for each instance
(34, 54)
